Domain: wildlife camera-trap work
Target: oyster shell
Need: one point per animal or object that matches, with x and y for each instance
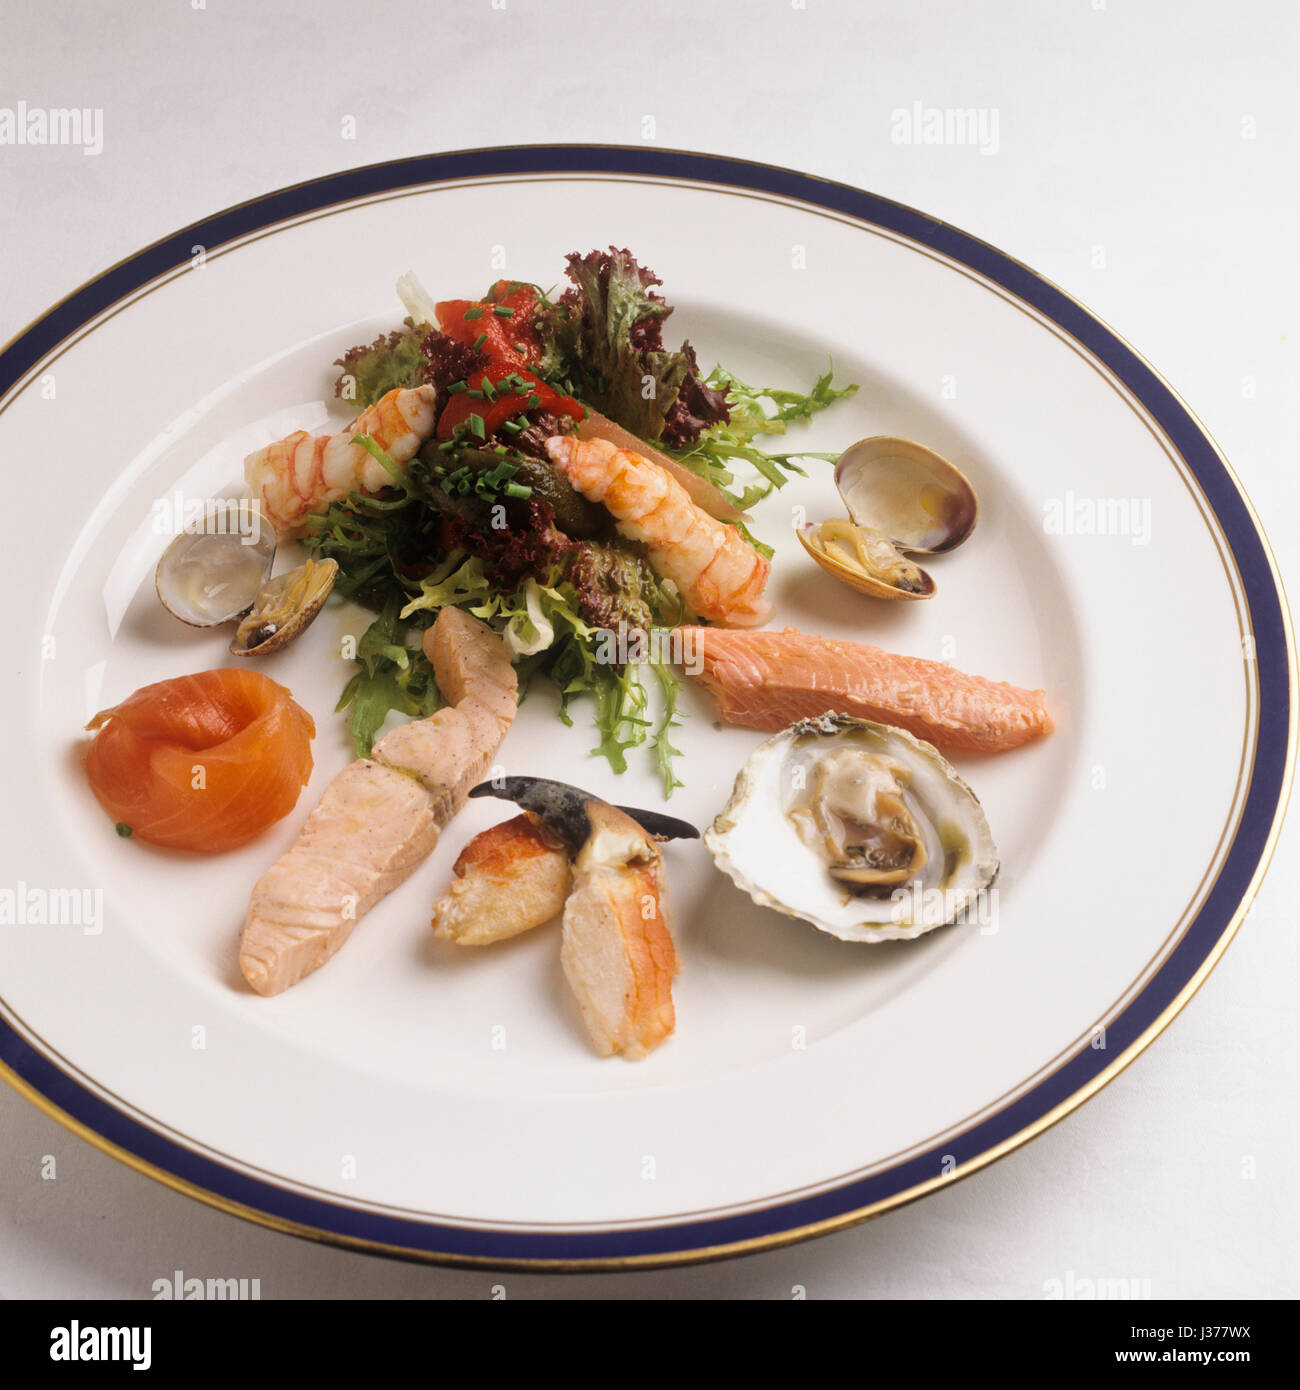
(856, 827)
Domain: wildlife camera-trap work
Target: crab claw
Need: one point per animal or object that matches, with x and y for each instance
(509, 879)
(564, 809)
(617, 948)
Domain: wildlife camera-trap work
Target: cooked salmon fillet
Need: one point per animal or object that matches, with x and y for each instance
(508, 879)
(768, 680)
(382, 816)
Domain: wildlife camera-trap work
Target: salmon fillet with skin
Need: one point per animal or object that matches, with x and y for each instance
(769, 680)
(508, 879)
(381, 816)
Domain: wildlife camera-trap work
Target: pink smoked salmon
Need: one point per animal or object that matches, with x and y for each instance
(381, 817)
(768, 680)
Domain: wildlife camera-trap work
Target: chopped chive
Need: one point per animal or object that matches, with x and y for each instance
(123, 829)
(511, 426)
(503, 311)
(475, 423)
(475, 393)
(475, 311)
(457, 386)
(448, 444)
(517, 490)
(479, 341)
(534, 401)
(520, 349)
(488, 389)
(500, 449)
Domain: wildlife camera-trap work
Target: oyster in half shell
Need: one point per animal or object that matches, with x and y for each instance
(859, 828)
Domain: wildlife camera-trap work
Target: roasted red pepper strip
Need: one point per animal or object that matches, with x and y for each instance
(511, 345)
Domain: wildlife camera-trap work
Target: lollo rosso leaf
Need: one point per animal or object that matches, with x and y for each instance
(372, 370)
(606, 334)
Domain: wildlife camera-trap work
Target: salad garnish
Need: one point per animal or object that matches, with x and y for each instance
(482, 520)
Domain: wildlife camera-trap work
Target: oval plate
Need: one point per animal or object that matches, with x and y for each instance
(412, 1100)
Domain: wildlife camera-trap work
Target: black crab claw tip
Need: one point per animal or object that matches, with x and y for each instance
(660, 826)
(564, 809)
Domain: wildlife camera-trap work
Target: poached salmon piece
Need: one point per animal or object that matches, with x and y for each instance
(381, 816)
(769, 680)
(373, 827)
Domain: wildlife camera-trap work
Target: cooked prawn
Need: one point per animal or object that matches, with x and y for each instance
(719, 574)
(304, 473)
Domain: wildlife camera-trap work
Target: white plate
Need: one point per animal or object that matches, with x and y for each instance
(443, 1103)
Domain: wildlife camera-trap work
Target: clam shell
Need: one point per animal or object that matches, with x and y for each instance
(209, 577)
(857, 578)
(915, 496)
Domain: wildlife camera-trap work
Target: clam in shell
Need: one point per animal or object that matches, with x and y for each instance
(206, 577)
(285, 608)
(859, 828)
(865, 560)
(900, 497)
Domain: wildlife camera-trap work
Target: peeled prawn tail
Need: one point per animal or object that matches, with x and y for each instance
(719, 574)
(304, 473)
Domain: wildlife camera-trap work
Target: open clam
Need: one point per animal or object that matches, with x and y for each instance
(901, 497)
(285, 608)
(207, 577)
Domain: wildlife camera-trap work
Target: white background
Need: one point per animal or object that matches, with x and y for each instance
(1146, 163)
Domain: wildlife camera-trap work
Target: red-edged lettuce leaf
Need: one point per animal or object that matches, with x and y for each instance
(605, 341)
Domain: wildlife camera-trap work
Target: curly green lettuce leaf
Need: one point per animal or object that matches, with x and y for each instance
(664, 752)
(619, 694)
(543, 625)
(393, 676)
(371, 370)
(757, 411)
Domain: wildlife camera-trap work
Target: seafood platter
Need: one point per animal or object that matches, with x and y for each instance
(527, 484)
(628, 747)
